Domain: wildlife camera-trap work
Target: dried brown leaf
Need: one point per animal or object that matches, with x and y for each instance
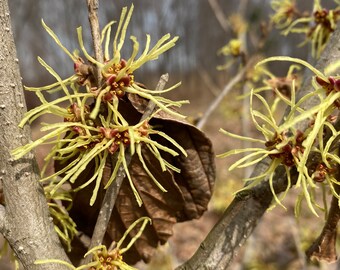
(197, 176)
(187, 196)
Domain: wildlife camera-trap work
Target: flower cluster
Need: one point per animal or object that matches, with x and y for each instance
(280, 86)
(288, 148)
(94, 129)
(285, 13)
(234, 49)
(306, 140)
(316, 25)
(108, 259)
(112, 258)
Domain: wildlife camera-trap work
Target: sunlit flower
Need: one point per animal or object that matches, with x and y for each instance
(317, 27)
(281, 143)
(93, 129)
(107, 259)
(310, 151)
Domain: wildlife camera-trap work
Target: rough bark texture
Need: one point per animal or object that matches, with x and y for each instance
(24, 221)
(93, 6)
(240, 218)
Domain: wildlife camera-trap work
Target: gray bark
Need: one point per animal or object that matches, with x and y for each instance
(24, 220)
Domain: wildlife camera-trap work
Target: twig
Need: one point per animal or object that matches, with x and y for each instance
(243, 7)
(93, 6)
(151, 106)
(215, 6)
(212, 87)
(224, 92)
(113, 190)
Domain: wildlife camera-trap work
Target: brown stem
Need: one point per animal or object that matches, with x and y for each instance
(324, 247)
(222, 19)
(236, 79)
(113, 190)
(93, 6)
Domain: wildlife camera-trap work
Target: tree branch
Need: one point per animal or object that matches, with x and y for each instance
(93, 6)
(324, 247)
(215, 6)
(241, 217)
(25, 220)
(236, 225)
(236, 79)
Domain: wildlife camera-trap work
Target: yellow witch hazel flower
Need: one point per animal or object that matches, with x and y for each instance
(235, 46)
(234, 49)
(317, 26)
(281, 86)
(93, 128)
(108, 259)
(282, 143)
(285, 12)
(63, 223)
(290, 144)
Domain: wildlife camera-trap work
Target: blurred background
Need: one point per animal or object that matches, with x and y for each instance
(280, 239)
(191, 61)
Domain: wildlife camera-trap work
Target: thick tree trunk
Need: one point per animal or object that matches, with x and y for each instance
(24, 220)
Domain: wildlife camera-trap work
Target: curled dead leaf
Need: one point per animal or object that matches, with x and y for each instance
(197, 176)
